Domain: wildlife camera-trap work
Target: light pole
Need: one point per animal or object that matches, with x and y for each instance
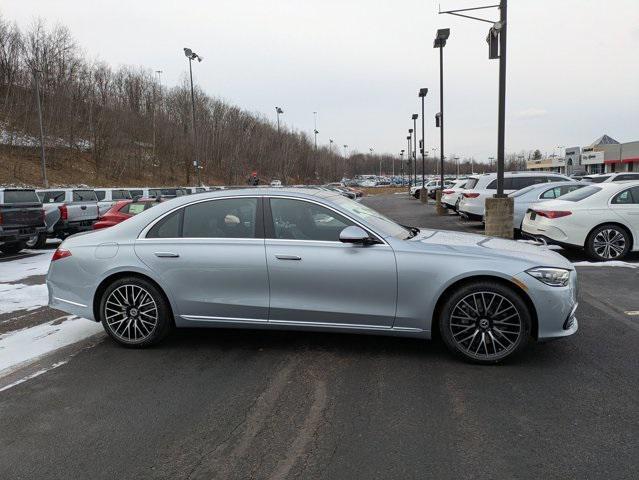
(401, 165)
(457, 161)
(315, 131)
(415, 117)
(408, 155)
(422, 94)
(159, 74)
(278, 112)
(440, 42)
(191, 55)
(38, 102)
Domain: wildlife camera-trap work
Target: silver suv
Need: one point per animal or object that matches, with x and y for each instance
(67, 211)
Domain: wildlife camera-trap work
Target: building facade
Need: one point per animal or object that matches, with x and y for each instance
(604, 155)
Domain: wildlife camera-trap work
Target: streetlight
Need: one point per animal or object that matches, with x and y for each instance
(408, 154)
(414, 117)
(401, 165)
(278, 112)
(457, 160)
(315, 131)
(191, 55)
(440, 42)
(422, 94)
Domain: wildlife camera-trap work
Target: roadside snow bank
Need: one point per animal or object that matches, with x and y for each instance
(22, 346)
(18, 296)
(25, 267)
(610, 263)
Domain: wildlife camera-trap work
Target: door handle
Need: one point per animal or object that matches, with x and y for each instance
(287, 257)
(83, 207)
(166, 254)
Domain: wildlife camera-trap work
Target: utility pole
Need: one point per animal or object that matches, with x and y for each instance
(408, 155)
(315, 131)
(155, 101)
(43, 161)
(422, 94)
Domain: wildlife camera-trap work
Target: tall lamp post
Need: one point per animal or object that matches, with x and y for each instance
(422, 94)
(498, 212)
(440, 42)
(278, 111)
(401, 164)
(414, 117)
(191, 55)
(315, 131)
(408, 155)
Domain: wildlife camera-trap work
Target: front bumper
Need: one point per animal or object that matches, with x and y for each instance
(555, 306)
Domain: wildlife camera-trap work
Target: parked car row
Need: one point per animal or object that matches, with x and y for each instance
(28, 217)
(599, 213)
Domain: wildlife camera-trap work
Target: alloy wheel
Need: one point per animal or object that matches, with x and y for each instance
(485, 325)
(609, 243)
(131, 313)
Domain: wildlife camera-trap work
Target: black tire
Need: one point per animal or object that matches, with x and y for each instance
(457, 206)
(38, 241)
(417, 194)
(504, 341)
(134, 316)
(12, 248)
(615, 237)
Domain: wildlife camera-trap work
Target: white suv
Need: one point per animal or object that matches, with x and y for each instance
(480, 187)
(610, 177)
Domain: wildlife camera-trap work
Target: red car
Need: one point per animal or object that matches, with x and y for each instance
(122, 210)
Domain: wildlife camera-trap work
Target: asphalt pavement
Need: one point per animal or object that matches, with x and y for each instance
(272, 405)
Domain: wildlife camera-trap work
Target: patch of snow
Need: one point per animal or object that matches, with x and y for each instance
(21, 139)
(22, 297)
(22, 346)
(611, 263)
(25, 267)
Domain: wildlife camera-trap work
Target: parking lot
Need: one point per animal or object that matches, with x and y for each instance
(255, 404)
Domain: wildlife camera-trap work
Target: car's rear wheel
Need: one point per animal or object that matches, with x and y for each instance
(135, 313)
(457, 206)
(608, 242)
(485, 322)
(12, 248)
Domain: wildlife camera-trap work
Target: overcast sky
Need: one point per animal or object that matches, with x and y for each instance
(573, 65)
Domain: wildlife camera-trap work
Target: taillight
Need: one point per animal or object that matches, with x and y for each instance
(60, 253)
(552, 213)
(64, 214)
(42, 215)
(448, 192)
(470, 195)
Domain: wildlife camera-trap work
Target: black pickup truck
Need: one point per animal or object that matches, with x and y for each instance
(21, 218)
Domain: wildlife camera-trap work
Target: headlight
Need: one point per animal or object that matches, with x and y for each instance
(555, 277)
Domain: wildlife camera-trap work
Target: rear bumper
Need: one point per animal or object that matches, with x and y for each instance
(20, 234)
(73, 227)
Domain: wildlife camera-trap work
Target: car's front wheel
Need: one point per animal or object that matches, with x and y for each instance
(608, 242)
(135, 313)
(485, 322)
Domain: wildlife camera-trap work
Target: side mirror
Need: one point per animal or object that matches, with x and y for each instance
(354, 234)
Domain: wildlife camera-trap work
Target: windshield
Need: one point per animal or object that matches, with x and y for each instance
(580, 194)
(381, 223)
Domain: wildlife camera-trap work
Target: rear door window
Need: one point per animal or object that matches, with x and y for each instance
(101, 194)
(169, 227)
(630, 196)
(229, 218)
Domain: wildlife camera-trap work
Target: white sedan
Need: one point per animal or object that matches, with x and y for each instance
(603, 219)
(452, 193)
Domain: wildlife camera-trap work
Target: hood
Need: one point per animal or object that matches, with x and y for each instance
(474, 244)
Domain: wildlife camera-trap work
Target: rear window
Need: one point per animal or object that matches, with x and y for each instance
(595, 179)
(20, 196)
(120, 195)
(134, 208)
(52, 197)
(136, 193)
(580, 194)
(470, 184)
(84, 196)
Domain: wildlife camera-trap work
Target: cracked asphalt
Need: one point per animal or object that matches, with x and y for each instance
(273, 405)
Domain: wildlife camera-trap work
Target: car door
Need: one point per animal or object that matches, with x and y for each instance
(625, 204)
(315, 279)
(210, 255)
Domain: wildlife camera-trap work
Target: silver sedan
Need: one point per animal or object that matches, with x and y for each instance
(308, 259)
